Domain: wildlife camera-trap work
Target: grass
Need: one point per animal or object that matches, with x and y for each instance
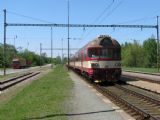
(2, 77)
(44, 98)
(149, 70)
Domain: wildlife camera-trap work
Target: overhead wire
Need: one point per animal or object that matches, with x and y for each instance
(107, 15)
(32, 18)
(103, 12)
(146, 18)
(29, 17)
(110, 12)
(97, 19)
(134, 21)
(138, 20)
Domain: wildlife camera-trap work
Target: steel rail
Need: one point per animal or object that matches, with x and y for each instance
(143, 107)
(140, 93)
(14, 81)
(132, 104)
(14, 78)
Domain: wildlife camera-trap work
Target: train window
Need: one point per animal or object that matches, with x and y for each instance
(93, 53)
(16, 62)
(110, 53)
(106, 53)
(117, 53)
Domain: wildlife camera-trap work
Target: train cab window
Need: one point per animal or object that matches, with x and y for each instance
(16, 62)
(106, 53)
(93, 53)
(117, 53)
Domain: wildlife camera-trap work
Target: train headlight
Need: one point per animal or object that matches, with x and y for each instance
(94, 65)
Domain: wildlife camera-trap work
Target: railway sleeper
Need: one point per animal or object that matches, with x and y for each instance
(143, 112)
(122, 100)
(140, 95)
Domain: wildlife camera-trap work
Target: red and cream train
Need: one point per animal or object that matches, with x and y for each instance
(100, 59)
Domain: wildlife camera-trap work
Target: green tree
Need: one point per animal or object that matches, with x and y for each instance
(132, 54)
(150, 48)
(57, 60)
(10, 53)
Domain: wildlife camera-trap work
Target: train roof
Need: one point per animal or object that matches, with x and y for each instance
(15, 60)
(18, 59)
(103, 41)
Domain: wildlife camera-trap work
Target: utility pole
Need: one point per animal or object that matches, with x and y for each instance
(40, 55)
(78, 25)
(4, 46)
(51, 48)
(62, 50)
(157, 43)
(15, 45)
(68, 34)
(15, 41)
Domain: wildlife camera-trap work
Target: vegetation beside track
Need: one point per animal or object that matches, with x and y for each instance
(140, 69)
(44, 98)
(2, 77)
(135, 54)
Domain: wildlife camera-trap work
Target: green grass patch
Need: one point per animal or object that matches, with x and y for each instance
(149, 70)
(2, 77)
(43, 99)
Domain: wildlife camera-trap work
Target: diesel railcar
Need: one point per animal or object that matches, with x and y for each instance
(18, 63)
(99, 60)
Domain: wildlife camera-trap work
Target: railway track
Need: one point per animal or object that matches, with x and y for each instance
(141, 104)
(13, 81)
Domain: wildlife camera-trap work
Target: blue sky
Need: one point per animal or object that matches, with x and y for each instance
(81, 12)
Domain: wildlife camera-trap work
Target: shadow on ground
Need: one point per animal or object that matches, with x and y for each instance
(72, 114)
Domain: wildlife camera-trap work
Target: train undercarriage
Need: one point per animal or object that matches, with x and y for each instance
(100, 75)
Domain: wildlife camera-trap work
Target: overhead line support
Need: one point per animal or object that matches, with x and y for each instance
(60, 48)
(157, 27)
(78, 25)
(82, 25)
(4, 44)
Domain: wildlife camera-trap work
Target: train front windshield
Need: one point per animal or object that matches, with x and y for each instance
(15, 62)
(104, 53)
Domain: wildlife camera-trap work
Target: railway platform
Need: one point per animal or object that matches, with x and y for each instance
(88, 104)
(143, 76)
(153, 86)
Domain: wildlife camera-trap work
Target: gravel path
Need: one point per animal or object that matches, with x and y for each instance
(87, 104)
